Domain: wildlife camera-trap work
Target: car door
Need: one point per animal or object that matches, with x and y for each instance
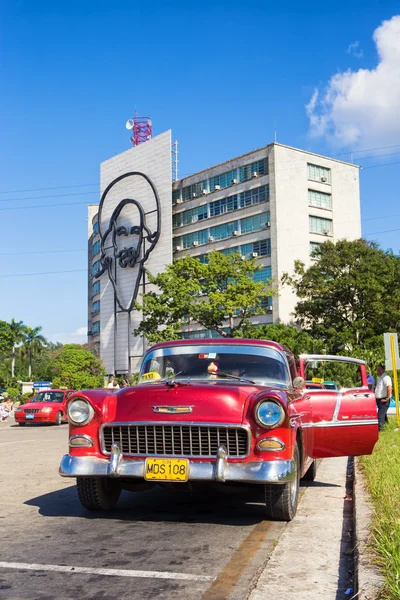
(344, 421)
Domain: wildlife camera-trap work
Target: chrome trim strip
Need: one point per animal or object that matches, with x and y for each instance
(81, 435)
(177, 423)
(274, 439)
(172, 410)
(340, 423)
(332, 357)
(274, 472)
(337, 406)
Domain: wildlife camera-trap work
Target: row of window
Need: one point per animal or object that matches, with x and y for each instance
(96, 327)
(96, 227)
(317, 173)
(222, 206)
(261, 248)
(96, 307)
(96, 288)
(96, 267)
(222, 181)
(222, 232)
(320, 225)
(96, 248)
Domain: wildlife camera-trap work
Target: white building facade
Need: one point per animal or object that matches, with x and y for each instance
(275, 204)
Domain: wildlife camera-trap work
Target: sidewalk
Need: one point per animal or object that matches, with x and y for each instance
(314, 556)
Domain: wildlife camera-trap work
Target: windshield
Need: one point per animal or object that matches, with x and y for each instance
(48, 397)
(200, 362)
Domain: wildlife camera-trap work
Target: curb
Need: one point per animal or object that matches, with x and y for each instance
(368, 579)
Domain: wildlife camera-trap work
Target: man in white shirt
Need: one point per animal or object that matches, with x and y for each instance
(113, 383)
(383, 392)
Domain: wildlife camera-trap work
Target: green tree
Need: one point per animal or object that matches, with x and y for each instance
(76, 368)
(223, 290)
(33, 341)
(13, 393)
(350, 296)
(298, 341)
(18, 331)
(6, 338)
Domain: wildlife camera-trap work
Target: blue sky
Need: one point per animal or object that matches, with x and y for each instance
(219, 74)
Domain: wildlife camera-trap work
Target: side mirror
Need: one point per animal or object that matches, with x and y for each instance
(299, 383)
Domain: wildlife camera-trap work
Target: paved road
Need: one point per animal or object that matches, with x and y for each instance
(199, 546)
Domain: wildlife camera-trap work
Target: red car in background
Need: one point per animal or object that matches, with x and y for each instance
(48, 406)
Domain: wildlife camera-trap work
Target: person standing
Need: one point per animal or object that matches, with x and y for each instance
(370, 381)
(383, 393)
(113, 383)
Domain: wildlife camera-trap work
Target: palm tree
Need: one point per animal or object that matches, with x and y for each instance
(17, 331)
(33, 341)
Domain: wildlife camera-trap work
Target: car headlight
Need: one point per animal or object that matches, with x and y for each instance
(269, 413)
(47, 409)
(80, 412)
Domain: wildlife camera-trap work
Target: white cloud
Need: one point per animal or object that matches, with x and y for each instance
(355, 50)
(77, 337)
(362, 108)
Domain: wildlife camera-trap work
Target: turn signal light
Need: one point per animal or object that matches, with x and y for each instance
(80, 441)
(271, 444)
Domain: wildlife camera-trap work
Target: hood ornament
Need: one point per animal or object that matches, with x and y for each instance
(173, 409)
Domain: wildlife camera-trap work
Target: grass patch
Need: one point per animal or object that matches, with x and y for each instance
(382, 470)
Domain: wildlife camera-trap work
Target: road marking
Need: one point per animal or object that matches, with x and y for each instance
(20, 442)
(109, 572)
(228, 578)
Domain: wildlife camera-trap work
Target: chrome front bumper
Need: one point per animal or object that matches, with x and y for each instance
(275, 472)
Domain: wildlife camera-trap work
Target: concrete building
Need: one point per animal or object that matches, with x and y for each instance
(276, 203)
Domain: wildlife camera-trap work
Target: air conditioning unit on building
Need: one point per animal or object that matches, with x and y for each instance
(235, 233)
(323, 179)
(194, 195)
(268, 309)
(233, 181)
(178, 248)
(326, 232)
(254, 254)
(211, 238)
(179, 201)
(195, 243)
(217, 187)
(268, 224)
(254, 174)
(204, 192)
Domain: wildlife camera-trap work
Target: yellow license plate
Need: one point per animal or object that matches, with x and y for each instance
(166, 469)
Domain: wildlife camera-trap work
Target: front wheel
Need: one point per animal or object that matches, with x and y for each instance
(281, 500)
(98, 493)
(58, 420)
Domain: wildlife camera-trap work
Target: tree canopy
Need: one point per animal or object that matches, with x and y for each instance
(76, 368)
(224, 290)
(350, 297)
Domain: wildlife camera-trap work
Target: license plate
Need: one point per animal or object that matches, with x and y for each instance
(29, 416)
(166, 469)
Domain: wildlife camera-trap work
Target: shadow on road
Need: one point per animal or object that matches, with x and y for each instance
(160, 505)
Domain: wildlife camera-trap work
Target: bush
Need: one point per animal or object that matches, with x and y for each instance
(13, 393)
(25, 398)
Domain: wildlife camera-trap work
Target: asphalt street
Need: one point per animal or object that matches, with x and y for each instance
(203, 545)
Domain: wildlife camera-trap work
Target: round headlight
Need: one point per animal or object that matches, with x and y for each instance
(80, 412)
(270, 414)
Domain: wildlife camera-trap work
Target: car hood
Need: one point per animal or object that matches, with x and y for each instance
(194, 402)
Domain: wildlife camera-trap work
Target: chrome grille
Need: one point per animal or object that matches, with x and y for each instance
(176, 440)
(31, 410)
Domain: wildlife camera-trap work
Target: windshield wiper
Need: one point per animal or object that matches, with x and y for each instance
(170, 380)
(228, 376)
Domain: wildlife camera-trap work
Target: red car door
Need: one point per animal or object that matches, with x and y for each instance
(343, 422)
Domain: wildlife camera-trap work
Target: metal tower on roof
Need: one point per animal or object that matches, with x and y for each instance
(142, 129)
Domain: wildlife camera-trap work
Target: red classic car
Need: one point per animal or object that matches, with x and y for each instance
(48, 406)
(227, 411)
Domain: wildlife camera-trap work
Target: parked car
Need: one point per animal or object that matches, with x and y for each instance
(330, 385)
(226, 411)
(310, 385)
(48, 406)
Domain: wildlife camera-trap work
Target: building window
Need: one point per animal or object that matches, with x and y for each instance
(96, 248)
(314, 246)
(255, 223)
(176, 194)
(219, 207)
(319, 199)
(96, 288)
(264, 274)
(266, 303)
(96, 327)
(319, 225)
(221, 232)
(96, 267)
(316, 173)
(262, 247)
(96, 307)
(194, 239)
(255, 169)
(222, 181)
(254, 196)
(96, 227)
(193, 191)
(193, 215)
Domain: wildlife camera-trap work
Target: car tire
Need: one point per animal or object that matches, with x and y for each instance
(98, 493)
(22, 424)
(311, 472)
(58, 420)
(281, 500)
